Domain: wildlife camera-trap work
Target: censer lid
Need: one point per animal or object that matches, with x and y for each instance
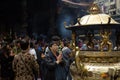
(95, 20)
(95, 17)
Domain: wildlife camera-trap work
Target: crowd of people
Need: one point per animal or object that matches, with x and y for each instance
(26, 58)
(30, 58)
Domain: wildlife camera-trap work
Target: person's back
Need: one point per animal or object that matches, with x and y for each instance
(24, 63)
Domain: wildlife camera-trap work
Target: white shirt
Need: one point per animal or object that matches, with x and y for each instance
(33, 52)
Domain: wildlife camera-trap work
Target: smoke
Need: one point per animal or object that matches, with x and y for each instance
(70, 14)
(62, 30)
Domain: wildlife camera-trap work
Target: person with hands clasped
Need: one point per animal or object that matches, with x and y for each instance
(59, 58)
(55, 66)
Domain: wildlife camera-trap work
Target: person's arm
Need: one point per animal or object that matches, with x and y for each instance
(14, 63)
(49, 63)
(52, 64)
(34, 64)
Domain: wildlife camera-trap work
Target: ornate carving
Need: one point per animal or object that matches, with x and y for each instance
(105, 40)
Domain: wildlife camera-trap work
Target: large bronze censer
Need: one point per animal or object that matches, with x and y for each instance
(102, 63)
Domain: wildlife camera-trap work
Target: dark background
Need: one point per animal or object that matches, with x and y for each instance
(28, 16)
(39, 16)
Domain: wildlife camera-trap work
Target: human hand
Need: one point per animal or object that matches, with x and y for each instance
(59, 58)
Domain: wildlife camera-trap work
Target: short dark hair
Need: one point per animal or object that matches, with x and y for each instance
(52, 42)
(55, 38)
(24, 44)
(66, 43)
